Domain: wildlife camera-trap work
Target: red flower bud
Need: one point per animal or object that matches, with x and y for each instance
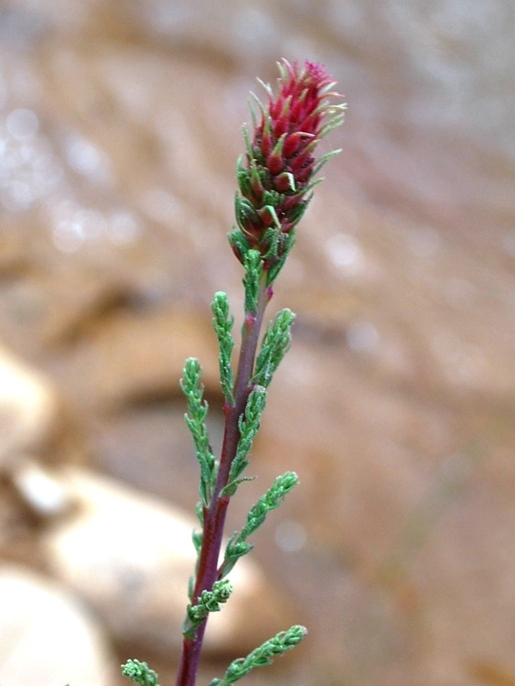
(292, 143)
(276, 181)
(274, 163)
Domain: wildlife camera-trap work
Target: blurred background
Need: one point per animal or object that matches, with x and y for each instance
(120, 126)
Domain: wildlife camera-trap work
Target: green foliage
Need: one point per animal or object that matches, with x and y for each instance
(238, 243)
(248, 425)
(209, 601)
(263, 655)
(223, 322)
(140, 673)
(197, 536)
(244, 211)
(253, 270)
(287, 243)
(195, 420)
(274, 347)
(237, 545)
(272, 237)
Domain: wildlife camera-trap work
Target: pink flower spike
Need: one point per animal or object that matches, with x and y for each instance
(280, 157)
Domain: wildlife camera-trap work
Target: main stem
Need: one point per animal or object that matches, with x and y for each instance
(214, 515)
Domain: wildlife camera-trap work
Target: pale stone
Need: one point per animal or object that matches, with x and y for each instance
(27, 407)
(48, 637)
(139, 357)
(40, 490)
(130, 556)
(32, 423)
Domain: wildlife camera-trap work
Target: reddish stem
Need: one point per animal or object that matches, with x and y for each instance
(214, 515)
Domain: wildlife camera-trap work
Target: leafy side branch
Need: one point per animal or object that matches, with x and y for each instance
(195, 420)
(263, 655)
(237, 545)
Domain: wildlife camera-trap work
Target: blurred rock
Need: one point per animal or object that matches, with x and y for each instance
(138, 357)
(35, 422)
(28, 410)
(130, 556)
(47, 636)
(37, 432)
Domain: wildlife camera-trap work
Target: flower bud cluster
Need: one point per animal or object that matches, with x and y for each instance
(275, 178)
